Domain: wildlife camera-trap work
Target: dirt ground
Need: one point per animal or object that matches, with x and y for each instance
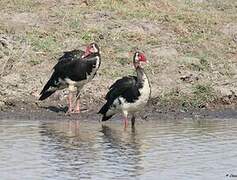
(191, 46)
(27, 111)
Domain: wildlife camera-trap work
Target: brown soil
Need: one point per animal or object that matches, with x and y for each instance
(191, 48)
(54, 111)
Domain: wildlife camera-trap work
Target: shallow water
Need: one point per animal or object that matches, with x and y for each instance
(161, 149)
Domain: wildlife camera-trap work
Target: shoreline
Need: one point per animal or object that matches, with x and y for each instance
(54, 111)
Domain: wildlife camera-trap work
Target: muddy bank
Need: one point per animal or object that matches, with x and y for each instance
(53, 110)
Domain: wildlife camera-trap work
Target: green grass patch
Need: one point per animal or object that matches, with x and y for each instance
(201, 95)
(43, 43)
(34, 62)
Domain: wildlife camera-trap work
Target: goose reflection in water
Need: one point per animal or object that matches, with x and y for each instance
(86, 151)
(122, 150)
(73, 151)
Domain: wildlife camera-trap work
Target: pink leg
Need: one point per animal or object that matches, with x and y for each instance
(77, 110)
(125, 122)
(69, 103)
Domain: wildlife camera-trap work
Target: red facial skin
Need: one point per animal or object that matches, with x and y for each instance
(142, 58)
(87, 52)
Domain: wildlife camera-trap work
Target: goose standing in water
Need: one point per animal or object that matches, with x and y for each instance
(128, 94)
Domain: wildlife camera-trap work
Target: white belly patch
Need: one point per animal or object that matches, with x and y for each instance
(121, 103)
(75, 86)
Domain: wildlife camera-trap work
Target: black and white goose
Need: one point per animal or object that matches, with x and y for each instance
(73, 73)
(128, 94)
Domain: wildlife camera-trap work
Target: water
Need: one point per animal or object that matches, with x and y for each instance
(162, 149)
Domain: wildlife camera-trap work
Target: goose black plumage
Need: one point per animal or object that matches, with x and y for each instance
(73, 73)
(128, 94)
(71, 55)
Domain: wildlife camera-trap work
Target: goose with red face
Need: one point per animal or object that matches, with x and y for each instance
(128, 94)
(73, 73)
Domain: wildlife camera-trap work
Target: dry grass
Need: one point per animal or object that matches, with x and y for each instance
(179, 37)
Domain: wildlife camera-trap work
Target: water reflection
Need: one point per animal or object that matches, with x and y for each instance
(111, 152)
(72, 152)
(184, 149)
(121, 151)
